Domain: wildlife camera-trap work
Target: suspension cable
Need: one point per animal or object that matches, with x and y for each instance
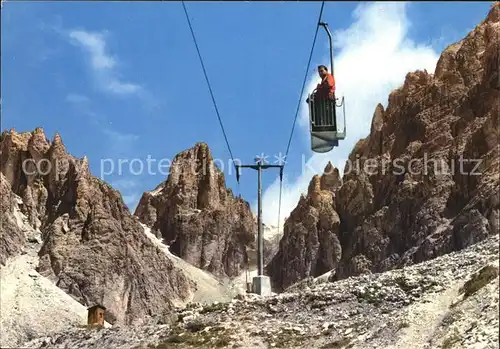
(208, 83)
(298, 108)
(217, 109)
(305, 79)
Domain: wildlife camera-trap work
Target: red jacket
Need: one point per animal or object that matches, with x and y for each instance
(326, 88)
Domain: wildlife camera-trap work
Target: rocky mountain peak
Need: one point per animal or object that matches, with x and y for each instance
(314, 186)
(38, 144)
(57, 145)
(494, 14)
(331, 179)
(310, 244)
(377, 119)
(198, 216)
(193, 171)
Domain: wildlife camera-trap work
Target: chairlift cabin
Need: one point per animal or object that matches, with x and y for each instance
(323, 115)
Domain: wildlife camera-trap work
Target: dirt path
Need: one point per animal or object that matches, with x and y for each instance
(424, 318)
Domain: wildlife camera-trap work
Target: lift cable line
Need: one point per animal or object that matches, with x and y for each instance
(298, 108)
(305, 78)
(209, 86)
(261, 283)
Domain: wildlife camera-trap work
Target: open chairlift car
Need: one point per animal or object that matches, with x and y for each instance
(323, 115)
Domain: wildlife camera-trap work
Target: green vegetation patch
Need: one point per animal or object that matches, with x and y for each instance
(287, 338)
(197, 337)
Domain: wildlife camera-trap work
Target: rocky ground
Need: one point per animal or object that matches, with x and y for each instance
(447, 302)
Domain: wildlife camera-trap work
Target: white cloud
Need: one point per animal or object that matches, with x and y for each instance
(372, 57)
(125, 184)
(102, 63)
(82, 105)
(118, 142)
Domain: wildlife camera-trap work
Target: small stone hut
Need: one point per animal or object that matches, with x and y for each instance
(96, 315)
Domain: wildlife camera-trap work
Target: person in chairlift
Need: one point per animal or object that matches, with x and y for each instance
(326, 88)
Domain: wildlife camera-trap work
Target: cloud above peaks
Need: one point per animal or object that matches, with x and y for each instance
(372, 57)
(96, 46)
(119, 142)
(103, 65)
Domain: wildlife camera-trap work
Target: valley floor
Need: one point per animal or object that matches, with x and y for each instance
(448, 302)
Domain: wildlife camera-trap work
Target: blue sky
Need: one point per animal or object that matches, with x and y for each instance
(121, 80)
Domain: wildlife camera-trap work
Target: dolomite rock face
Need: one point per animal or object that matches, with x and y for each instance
(433, 184)
(198, 217)
(12, 239)
(310, 245)
(93, 248)
(425, 182)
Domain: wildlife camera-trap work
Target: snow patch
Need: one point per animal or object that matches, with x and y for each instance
(157, 190)
(208, 288)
